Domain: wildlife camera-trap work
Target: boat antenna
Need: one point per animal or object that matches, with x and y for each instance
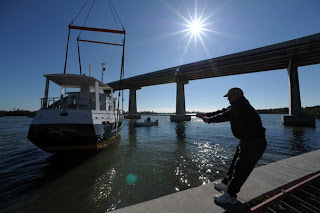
(103, 69)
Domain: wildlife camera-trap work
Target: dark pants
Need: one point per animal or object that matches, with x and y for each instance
(247, 155)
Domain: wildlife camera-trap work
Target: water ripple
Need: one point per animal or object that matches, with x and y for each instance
(161, 159)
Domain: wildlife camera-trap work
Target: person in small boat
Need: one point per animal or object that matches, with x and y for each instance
(246, 125)
(148, 120)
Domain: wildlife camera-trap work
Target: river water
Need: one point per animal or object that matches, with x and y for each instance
(145, 163)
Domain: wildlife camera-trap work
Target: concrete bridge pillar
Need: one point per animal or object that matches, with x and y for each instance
(133, 104)
(294, 89)
(295, 117)
(180, 103)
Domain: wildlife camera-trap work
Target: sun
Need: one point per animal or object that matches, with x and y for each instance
(196, 26)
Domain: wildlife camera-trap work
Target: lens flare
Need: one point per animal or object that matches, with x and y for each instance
(131, 179)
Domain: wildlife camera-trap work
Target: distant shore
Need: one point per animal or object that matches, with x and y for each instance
(18, 113)
(314, 111)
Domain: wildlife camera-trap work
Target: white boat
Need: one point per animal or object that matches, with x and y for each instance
(86, 119)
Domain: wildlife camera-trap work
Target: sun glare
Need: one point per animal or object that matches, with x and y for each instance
(196, 26)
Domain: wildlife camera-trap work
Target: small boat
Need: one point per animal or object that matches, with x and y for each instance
(147, 123)
(77, 120)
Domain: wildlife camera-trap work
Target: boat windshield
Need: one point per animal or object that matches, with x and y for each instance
(74, 100)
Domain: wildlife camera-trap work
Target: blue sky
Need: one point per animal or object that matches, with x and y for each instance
(34, 37)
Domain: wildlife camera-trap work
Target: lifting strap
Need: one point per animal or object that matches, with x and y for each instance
(121, 86)
(65, 61)
(79, 56)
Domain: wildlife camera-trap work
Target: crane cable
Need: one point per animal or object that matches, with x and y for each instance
(85, 21)
(114, 12)
(116, 17)
(66, 59)
(79, 12)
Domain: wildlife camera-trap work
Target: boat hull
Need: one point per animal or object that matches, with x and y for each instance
(63, 137)
(155, 123)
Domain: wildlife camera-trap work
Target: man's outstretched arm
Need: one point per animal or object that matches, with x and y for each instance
(210, 114)
(222, 117)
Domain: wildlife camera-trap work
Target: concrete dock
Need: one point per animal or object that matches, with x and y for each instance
(263, 180)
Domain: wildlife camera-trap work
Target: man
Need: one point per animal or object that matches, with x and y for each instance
(246, 125)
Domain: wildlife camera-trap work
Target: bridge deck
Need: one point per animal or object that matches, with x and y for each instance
(305, 50)
(264, 179)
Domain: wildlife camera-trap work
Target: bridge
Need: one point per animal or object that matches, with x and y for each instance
(285, 55)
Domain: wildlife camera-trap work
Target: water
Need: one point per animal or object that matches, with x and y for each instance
(145, 163)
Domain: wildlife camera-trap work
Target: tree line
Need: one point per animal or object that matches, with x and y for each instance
(313, 111)
(18, 112)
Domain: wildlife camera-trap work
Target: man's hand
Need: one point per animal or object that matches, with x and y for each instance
(206, 120)
(200, 115)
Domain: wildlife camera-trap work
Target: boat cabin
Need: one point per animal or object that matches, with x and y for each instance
(93, 94)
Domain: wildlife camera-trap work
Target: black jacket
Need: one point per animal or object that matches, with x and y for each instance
(245, 121)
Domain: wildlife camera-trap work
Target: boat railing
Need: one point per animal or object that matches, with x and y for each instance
(73, 103)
